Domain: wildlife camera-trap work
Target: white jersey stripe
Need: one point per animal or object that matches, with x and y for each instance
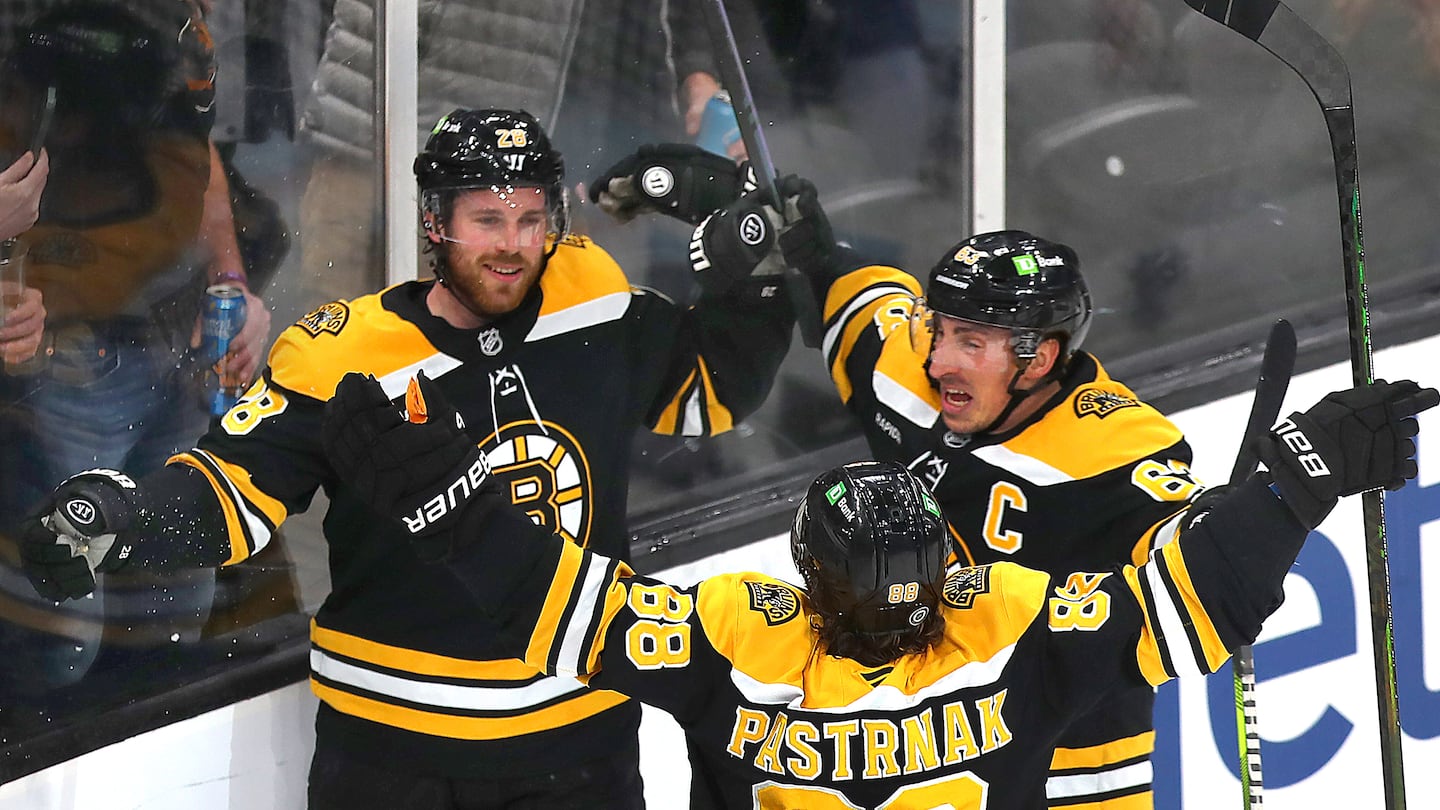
(1137, 774)
(596, 311)
(1169, 615)
(903, 401)
(1031, 469)
(443, 695)
(574, 645)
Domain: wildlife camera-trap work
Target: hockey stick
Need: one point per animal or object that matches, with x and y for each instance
(1276, 367)
(1280, 31)
(732, 77)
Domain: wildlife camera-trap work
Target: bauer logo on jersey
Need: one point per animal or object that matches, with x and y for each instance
(329, 317)
(963, 586)
(777, 603)
(1100, 404)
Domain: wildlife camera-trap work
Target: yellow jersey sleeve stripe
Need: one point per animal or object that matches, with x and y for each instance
(1210, 650)
(718, 417)
(245, 532)
(1148, 649)
(585, 704)
(667, 423)
(420, 663)
(1097, 756)
(548, 625)
(578, 625)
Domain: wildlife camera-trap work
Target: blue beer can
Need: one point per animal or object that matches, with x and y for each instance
(718, 127)
(222, 317)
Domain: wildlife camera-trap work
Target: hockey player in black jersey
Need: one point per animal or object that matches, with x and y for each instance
(885, 682)
(555, 362)
(982, 390)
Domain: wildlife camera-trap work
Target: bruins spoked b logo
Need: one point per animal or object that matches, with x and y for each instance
(546, 474)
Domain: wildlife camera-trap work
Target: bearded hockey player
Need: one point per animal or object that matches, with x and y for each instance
(556, 361)
(886, 682)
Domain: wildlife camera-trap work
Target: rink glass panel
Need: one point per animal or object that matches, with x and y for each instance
(1189, 169)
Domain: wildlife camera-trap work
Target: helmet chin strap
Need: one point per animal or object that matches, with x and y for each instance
(1017, 395)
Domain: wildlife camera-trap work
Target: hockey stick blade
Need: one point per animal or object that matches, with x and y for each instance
(1276, 367)
(732, 76)
(1284, 34)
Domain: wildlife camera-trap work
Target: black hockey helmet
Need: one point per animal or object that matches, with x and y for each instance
(1016, 280)
(491, 149)
(100, 58)
(872, 545)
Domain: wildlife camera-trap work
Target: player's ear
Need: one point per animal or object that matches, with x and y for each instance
(1047, 355)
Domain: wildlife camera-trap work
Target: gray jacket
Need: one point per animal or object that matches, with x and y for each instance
(521, 54)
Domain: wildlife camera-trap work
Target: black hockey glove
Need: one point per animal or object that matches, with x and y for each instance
(83, 527)
(417, 466)
(735, 242)
(807, 241)
(680, 180)
(1349, 442)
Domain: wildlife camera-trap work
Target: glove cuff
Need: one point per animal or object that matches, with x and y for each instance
(1298, 491)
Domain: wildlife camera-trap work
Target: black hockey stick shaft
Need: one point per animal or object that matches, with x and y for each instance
(1276, 366)
(1279, 30)
(732, 77)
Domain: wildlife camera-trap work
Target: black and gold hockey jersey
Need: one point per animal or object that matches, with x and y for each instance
(1069, 489)
(405, 668)
(969, 724)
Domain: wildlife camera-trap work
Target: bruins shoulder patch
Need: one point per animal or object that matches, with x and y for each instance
(1100, 404)
(575, 240)
(963, 586)
(330, 317)
(777, 603)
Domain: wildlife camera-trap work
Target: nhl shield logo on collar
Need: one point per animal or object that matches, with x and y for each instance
(490, 342)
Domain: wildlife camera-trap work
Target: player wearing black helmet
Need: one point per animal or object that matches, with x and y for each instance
(884, 683)
(555, 362)
(982, 388)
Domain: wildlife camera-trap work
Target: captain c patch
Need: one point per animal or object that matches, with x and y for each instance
(329, 317)
(1100, 404)
(778, 603)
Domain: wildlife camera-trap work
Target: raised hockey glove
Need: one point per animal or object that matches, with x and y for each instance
(735, 242)
(680, 180)
(807, 241)
(1348, 442)
(417, 466)
(81, 528)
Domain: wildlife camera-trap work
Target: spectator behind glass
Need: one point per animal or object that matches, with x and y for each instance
(131, 230)
(22, 321)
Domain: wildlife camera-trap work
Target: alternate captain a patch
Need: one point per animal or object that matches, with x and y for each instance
(1100, 404)
(329, 317)
(963, 586)
(777, 603)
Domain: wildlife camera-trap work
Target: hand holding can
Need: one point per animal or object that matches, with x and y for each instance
(221, 321)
